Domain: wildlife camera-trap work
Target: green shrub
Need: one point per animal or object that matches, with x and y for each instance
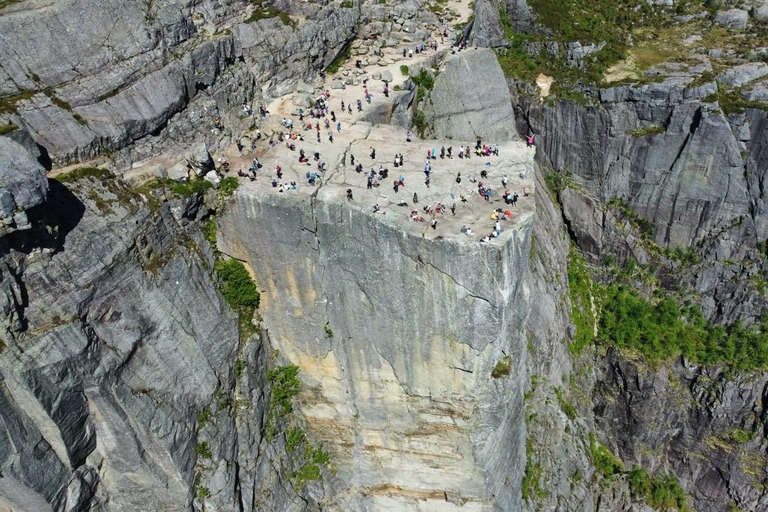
(502, 368)
(328, 331)
(531, 485)
(605, 462)
(228, 186)
(661, 492)
(203, 493)
(293, 438)
(238, 289)
(420, 122)
(404, 69)
(285, 385)
(741, 436)
(347, 4)
(264, 11)
(203, 417)
(424, 79)
(203, 450)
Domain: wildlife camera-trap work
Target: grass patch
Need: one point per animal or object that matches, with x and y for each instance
(203, 417)
(264, 11)
(731, 102)
(80, 173)
(308, 472)
(285, 385)
(404, 69)
(203, 450)
(741, 436)
(661, 492)
(502, 368)
(7, 128)
(228, 186)
(648, 130)
(203, 493)
(6, 3)
(239, 290)
(346, 4)
(604, 461)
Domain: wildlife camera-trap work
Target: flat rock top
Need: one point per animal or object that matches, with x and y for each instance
(514, 160)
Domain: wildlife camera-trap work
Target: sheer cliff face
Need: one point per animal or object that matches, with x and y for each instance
(399, 385)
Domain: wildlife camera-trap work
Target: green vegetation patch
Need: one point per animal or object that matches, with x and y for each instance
(424, 79)
(7, 128)
(238, 288)
(202, 449)
(264, 11)
(80, 173)
(531, 485)
(648, 130)
(502, 368)
(604, 461)
(665, 329)
(731, 102)
(341, 58)
(6, 3)
(404, 69)
(566, 406)
(228, 186)
(660, 492)
(293, 438)
(308, 472)
(583, 302)
(285, 385)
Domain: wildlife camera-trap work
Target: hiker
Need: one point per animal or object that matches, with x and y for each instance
(401, 159)
(450, 149)
(396, 186)
(342, 107)
(333, 116)
(529, 140)
(434, 224)
(349, 109)
(453, 209)
(408, 136)
(504, 180)
(330, 136)
(426, 181)
(279, 172)
(466, 153)
(373, 153)
(370, 183)
(458, 178)
(484, 174)
(338, 127)
(415, 198)
(442, 152)
(349, 194)
(359, 106)
(461, 151)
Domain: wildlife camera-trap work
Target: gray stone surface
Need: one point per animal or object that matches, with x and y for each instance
(735, 19)
(742, 74)
(23, 185)
(470, 99)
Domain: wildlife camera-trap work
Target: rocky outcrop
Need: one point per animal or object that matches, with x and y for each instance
(470, 99)
(23, 185)
(396, 337)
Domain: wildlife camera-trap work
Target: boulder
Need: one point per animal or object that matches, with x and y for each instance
(304, 87)
(743, 74)
(471, 99)
(337, 84)
(302, 100)
(386, 76)
(213, 178)
(585, 220)
(376, 75)
(734, 19)
(199, 158)
(23, 184)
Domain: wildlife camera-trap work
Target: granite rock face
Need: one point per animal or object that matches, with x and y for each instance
(23, 185)
(113, 340)
(470, 99)
(396, 337)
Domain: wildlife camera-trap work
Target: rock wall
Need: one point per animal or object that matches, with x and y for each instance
(113, 341)
(396, 337)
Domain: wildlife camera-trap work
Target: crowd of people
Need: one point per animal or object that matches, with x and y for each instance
(320, 118)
